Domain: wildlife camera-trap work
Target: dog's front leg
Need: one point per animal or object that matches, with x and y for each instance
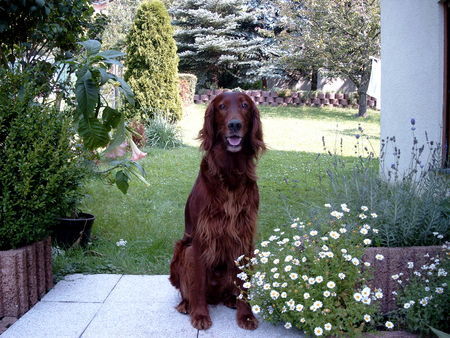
(200, 318)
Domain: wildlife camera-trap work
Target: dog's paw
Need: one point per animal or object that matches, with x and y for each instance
(183, 307)
(201, 322)
(247, 322)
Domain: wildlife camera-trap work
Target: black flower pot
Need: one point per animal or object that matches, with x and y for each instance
(69, 231)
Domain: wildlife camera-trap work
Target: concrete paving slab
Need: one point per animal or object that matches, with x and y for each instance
(82, 288)
(53, 319)
(139, 319)
(144, 289)
(225, 326)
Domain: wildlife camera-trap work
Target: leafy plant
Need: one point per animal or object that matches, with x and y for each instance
(161, 133)
(40, 167)
(411, 206)
(308, 275)
(423, 298)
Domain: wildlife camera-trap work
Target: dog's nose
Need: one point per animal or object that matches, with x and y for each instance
(234, 125)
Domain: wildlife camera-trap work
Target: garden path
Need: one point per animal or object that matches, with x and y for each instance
(105, 305)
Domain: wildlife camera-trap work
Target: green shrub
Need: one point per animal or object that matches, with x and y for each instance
(152, 61)
(161, 133)
(410, 206)
(39, 170)
(309, 275)
(188, 83)
(424, 300)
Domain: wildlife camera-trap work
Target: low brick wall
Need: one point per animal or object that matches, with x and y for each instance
(395, 262)
(271, 98)
(25, 276)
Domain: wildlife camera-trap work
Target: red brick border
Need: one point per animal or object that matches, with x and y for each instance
(25, 276)
(271, 98)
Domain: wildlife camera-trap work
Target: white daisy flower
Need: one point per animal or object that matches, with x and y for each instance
(283, 295)
(288, 268)
(344, 251)
(276, 261)
(378, 295)
(265, 243)
(379, 257)
(406, 306)
(297, 243)
(364, 208)
(246, 285)
(326, 293)
(311, 280)
(389, 325)
(337, 214)
(266, 286)
(367, 241)
(313, 232)
(288, 325)
(367, 318)
(288, 258)
(256, 309)
(306, 295)
(357, 296)
(327, 205)
(334, 235)
(327, 326)
(299, 307)
(374, 215)
(121, 242)
(375, 231)
(319, 279)
(341, 275)
(331, 284)
(274, 294)
(342, 230)
(318, 331)
(362, 216)
(293, 276)
(264, 260)
(363, 231)
(355, 261)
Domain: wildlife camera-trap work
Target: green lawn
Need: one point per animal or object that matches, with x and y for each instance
(291, 178)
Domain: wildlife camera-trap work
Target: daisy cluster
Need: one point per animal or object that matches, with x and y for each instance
(424, 293)
(304, 275)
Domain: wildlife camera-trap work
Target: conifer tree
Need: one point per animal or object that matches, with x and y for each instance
(152, 61)
(218, 38)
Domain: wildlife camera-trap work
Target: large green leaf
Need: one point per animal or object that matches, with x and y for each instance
(111, 54)
(91, 46)
(118, 137)
(439, 333)
(86, 92)
(122, 181)
(93, 133)
(111, 117)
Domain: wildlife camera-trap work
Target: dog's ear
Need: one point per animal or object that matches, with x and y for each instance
(256, 134)
(207, 134)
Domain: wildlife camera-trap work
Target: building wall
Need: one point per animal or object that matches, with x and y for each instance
(412, 76)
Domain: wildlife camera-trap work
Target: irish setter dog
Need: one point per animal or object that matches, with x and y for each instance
(220, 213)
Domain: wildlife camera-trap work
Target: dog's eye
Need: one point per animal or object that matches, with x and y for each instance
(222, 106)
(244, 105)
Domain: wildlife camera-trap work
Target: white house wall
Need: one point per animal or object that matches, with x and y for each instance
(412, 75)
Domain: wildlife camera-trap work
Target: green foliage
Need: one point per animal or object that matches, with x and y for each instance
(40, 171)
(152, 62)
(423, 300)
(188, 83)
(340, 36)
(309, 276)
(161, 133)
(413, 208)
(94, 117)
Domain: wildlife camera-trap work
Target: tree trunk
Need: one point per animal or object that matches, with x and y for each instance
(362, 92)
(314, 79)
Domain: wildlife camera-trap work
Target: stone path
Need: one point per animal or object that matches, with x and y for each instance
(124, 306)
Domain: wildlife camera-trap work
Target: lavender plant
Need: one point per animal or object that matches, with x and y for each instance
(411, 204)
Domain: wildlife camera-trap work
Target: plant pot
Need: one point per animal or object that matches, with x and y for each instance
(69, 231)
(395, 262)
(25, 276)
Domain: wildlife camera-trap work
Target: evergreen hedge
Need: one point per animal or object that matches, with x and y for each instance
(152, 62)
(39, 169)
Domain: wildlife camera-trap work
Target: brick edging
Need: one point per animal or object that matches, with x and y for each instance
(271, 98)
(25, 276)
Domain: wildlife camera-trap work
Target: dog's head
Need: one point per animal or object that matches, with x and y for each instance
(233, 120)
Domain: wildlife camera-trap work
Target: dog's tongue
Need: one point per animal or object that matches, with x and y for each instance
(234, 141)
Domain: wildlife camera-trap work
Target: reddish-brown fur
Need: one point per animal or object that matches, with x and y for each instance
(220, 214)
